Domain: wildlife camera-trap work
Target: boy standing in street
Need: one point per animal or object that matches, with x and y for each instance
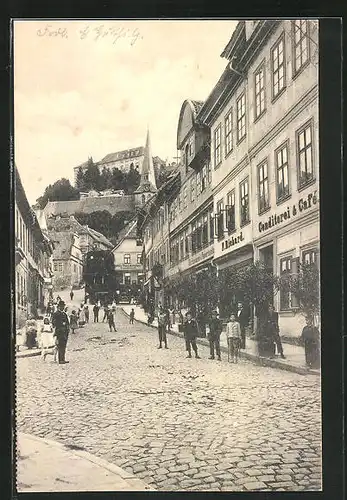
(60, 324)
(215, 329)
(110, 319)
(190, 328)
(132, 316)
(162, 322)
(233, 338)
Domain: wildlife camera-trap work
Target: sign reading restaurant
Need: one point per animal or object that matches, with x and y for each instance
(301, 206)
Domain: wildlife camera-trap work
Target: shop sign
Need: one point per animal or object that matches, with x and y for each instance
(234, 240)
(275, 219)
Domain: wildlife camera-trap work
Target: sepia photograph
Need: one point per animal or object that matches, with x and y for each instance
(167, 255)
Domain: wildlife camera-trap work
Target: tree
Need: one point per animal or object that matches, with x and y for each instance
(117, 179)
(80, 182)
(305, 289)
(61, 190)
(105, 179)
(92, 176)
(132, 179)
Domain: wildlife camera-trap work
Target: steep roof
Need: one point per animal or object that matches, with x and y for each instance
(196, 106)
(71, 224)
(98, 236)
(123, 155)
(147, 182)
(128, 232)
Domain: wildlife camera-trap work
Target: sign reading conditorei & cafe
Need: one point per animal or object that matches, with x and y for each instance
(289, 213)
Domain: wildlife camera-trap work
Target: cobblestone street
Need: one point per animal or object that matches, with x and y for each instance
(176, 423)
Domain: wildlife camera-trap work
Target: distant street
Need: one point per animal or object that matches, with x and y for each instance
(176, 423)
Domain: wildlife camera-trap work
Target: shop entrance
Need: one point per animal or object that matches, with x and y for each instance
(266, 256)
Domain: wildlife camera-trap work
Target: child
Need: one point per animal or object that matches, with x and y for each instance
(73, 321)
(132, 316)
(233, 338)
(110, 319)
(48, 341)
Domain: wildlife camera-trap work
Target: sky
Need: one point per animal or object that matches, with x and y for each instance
(89, 88)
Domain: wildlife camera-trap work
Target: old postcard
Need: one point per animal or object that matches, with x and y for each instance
(167, 255)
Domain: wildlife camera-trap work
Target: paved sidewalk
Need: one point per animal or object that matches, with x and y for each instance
(48, 466)
(295, 355)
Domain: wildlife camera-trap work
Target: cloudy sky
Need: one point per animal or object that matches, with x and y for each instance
(90, 88)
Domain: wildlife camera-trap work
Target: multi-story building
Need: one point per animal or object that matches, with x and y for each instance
(33, 250)
(67, 259)
(263, 115)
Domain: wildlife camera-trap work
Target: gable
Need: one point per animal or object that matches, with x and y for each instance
(185, 124)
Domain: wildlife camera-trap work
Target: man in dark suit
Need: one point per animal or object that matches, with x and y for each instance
(243, 319)
(60, 322)
(190, 329)
(274, 330)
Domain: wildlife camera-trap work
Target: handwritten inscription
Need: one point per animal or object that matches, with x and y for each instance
(95, 33)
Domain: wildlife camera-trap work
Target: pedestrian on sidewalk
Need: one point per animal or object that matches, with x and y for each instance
(274, 330)
(73, 321)
(190, 328)
(243, 319)
(86, 312)
(96, 313)
(60, 323)
(106, 311)
(215, 328)
(110, 319)
(162, 322)
(233, 339)
(310, 336)
(71, 295)
(132, 316)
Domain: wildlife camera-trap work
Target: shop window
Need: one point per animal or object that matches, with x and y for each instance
(241, 117)
(244, 202)
(127, 279)
(220, 219)
(282, 168)
(310, 257)
(263, 188)
(217, 146)
(127, 258)
(230, 211)
(285, 269)
(300, 44)
(304, 149)
(259, 88)
(278, 68)
(228, 125)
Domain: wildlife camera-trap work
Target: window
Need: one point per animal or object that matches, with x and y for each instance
(231, 211)
(198, 183)
(241, 117)
(310, 256)
(220, 219)
(127, 279)
(228, 133)
(139, 258)
(74, 268)
(60, 266)
(244, 199)
(182, 247)
(192, 189)
(217, 146)
(300, 44)
(55, 266)
(282, 173)
(186, 242)
(199, 234)
(304, 148)
(259, 85)
(143, 199)
(205, 230)
(285, 269)
(185, 197)
(263, 188)
(204, 178)
(193, 237)
(127, 258)
(278, 67)
(211, 226)
(209, 172)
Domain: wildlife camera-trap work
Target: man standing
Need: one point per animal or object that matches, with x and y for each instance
(96, 313)
(215, 327)
(106, 311)
(60, 324)
(273, 329)
(242, 318)
(190, 329)
(162, 322)
(86, 312)
(71, 294)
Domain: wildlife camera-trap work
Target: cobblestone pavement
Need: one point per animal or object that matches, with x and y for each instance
(176, 423)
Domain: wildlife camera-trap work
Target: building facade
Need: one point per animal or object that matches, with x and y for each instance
(67, 259)
(265, 156)
(33, 251)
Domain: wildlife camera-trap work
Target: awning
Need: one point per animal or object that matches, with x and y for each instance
(242, 256)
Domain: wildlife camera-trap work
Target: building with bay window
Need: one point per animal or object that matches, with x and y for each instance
(263, 116)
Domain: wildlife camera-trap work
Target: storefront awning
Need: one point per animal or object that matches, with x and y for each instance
(243, 256)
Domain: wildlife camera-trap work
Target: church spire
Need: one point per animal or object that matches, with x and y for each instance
(147, 182)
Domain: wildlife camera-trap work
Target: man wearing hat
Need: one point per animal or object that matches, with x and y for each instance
(60, 322)
(215, 328)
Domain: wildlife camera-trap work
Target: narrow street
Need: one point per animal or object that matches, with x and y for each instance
(176, 423)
